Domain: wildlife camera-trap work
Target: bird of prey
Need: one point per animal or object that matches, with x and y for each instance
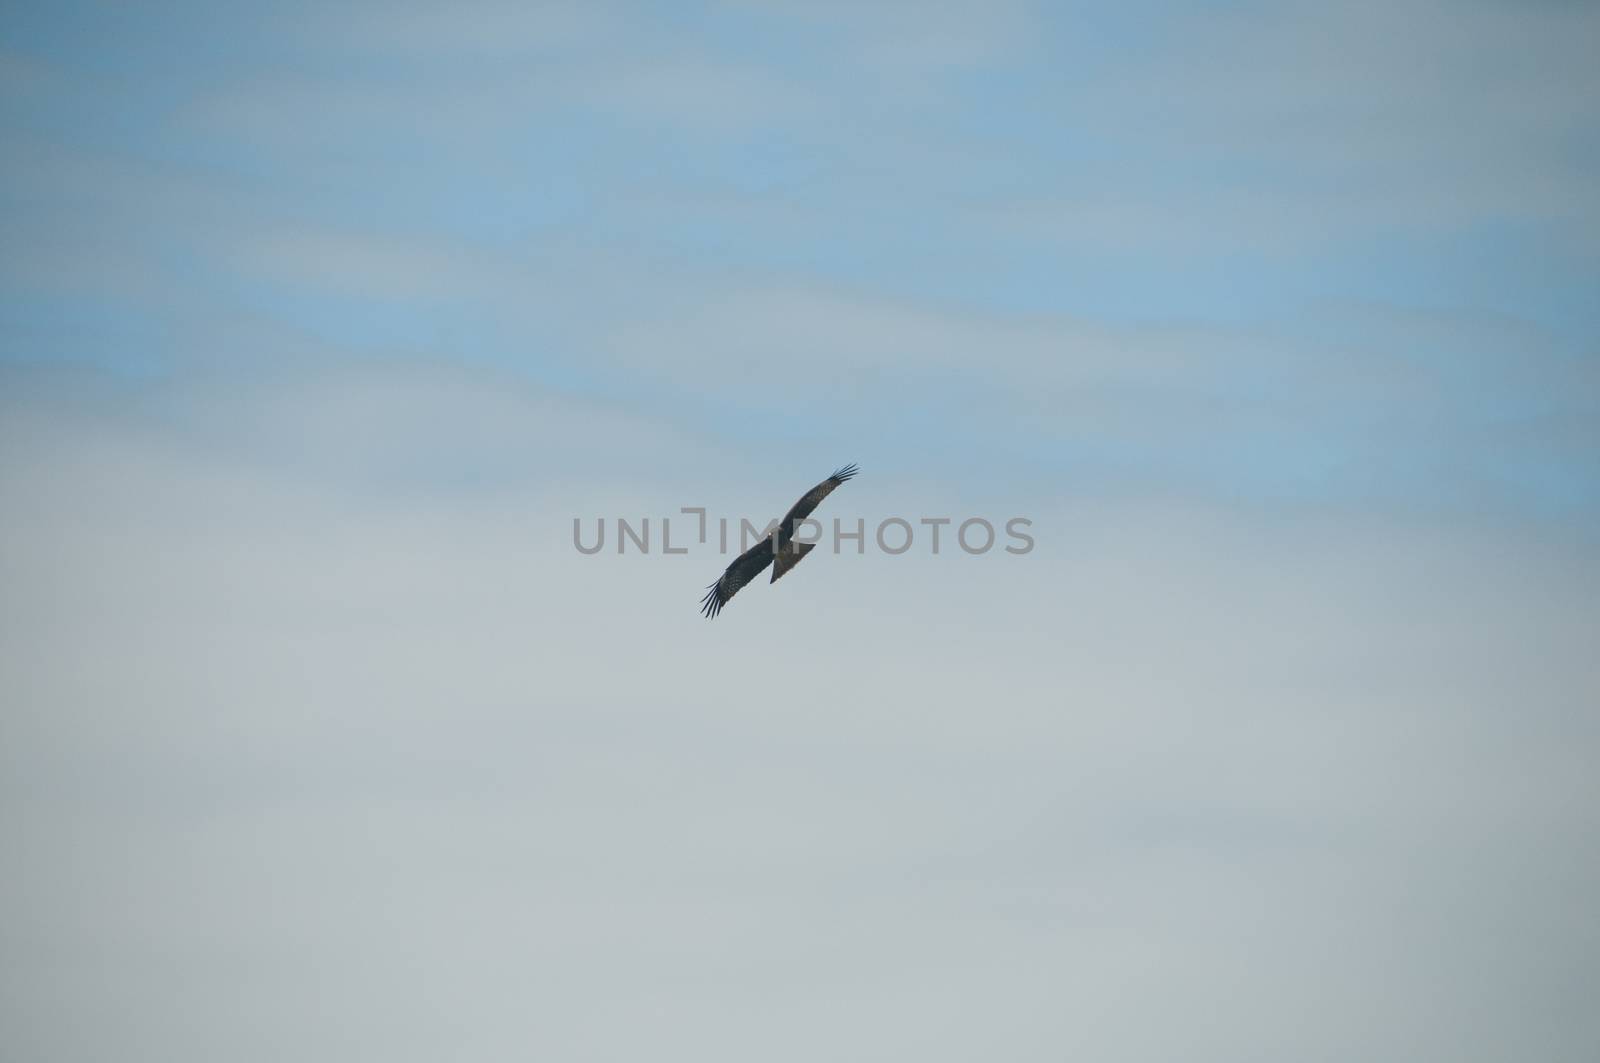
(750, 564)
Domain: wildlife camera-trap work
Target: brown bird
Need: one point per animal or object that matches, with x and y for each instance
(750, 564)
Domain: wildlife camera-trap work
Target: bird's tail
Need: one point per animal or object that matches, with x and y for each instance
(790, 556)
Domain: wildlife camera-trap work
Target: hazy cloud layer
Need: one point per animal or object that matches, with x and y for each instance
(321, 762)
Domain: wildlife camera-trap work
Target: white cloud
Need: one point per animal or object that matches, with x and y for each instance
(474, 31)
(1303, 126)
(364, 266)
(294, 763)
(1380, 388)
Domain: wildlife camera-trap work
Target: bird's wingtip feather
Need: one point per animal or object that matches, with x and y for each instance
(712, 603)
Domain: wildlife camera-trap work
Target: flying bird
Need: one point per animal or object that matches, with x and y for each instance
(750, 564)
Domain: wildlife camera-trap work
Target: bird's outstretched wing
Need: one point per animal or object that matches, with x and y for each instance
(813, 498)
(746, 567)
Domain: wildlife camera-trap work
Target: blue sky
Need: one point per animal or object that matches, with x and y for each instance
(320, 323)
(1301, 208)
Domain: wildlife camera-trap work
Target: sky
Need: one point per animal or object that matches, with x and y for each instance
(320, 324)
